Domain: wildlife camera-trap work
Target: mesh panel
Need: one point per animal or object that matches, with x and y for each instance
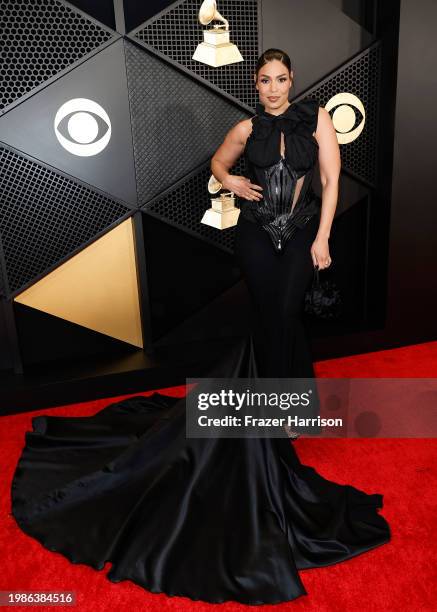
(299, 181)
(297, 190)
(2, 279)
(185, 205)
(45, 216)
(171, 138)
(178, 32)
(361, 78)
(38, 39)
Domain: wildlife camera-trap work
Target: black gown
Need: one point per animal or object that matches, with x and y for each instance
(212, 519)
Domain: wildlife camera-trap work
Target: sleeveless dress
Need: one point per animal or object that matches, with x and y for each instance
(212, 519)
(289, 201)
(274, 237)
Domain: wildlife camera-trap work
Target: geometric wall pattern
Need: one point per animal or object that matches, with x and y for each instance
(2, 272)
(360, 77)
(172, 112)
(97, 288)
(39, 38)
(177, 31)
(174, 135)
(45, 216)
(184, 205)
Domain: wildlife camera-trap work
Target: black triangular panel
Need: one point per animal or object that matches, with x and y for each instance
(179, 24)
(3, 289)
(184, 205)
(46, 338)
(361, 12)
(317, 36)
(179, 274)
(45, 216)
(39, 40)
(177, 122)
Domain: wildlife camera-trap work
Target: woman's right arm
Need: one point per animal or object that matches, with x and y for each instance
(226, 156)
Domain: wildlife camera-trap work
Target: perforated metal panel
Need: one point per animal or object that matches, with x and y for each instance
(2, 278)
(177, 32)
(177, 123)
(184, 206)
(361, 78)
(38, 39)
(44, 216)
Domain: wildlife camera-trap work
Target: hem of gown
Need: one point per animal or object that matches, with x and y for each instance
(246, 602)
(351, 556)
(99, 567)
(155, 591)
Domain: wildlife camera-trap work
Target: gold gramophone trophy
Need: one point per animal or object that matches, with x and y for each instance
(216, 49)
(223, 212)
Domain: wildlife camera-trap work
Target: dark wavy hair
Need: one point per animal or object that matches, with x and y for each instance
(273, 54)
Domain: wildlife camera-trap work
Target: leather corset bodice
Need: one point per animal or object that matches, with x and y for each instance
(279, 176)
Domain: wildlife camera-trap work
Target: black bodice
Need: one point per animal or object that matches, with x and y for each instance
(288, 201)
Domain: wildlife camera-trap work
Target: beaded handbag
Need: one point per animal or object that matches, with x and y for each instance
(323, 299)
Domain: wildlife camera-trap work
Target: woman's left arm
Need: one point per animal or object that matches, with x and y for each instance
(330, 166)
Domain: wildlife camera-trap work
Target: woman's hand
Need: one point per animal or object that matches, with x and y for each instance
(320, 253)
(242, 187)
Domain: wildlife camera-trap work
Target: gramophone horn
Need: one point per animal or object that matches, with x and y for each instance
(208, 12)
(214, 185)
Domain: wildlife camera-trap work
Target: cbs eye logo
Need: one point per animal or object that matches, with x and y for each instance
(344, 117)
(82, 127)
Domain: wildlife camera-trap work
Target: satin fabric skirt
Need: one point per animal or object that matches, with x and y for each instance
(210, 519)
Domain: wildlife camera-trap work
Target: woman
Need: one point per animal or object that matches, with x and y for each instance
(215, 519)
(280, 232)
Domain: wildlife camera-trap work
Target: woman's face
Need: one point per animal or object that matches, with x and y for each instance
(273, 84)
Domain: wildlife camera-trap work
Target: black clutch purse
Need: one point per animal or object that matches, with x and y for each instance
(323, 299)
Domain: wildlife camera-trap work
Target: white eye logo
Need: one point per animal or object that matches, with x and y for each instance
(86, 124)
(344, 116)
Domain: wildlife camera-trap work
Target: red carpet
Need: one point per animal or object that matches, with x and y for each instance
(400, 575)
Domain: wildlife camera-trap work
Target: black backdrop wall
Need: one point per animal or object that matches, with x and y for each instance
(156, 167)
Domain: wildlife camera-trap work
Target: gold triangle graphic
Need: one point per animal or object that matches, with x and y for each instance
(97, 288)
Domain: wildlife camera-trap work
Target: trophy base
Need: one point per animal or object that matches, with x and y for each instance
(221, 220)
(217, 55)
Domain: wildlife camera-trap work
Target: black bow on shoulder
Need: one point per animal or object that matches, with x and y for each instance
(297, 122)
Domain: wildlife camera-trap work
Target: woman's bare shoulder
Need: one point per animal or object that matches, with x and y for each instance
(323, 120)
(242, 129)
